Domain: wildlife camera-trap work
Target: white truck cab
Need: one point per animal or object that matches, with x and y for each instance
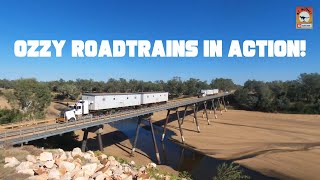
(80, 108)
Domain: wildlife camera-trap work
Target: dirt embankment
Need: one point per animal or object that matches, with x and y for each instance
(4, 103)
(278, 145)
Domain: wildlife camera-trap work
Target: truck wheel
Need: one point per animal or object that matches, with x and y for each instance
(72, 119)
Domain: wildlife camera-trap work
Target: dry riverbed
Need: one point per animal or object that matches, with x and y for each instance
(278, 145)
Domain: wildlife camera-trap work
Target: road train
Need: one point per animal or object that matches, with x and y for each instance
(208, 92)
(104, 103)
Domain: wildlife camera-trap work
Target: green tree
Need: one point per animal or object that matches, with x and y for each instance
(7, 84)
(84, 85)
(223, 84)
(112, 86)
(245, 99)
(294, 89)
(255, 95)
(30, 97)
(193, 86)
(69, 91)
(278, 88)
(175, 86)
(310, 84)
(279, 92)
(133, 85)
(123, 85)
(158, 86)
(264, 95)
(281, 103)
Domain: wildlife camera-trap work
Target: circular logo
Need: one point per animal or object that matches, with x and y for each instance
(304, 16)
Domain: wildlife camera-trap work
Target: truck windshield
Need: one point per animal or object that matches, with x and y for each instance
(72, 107)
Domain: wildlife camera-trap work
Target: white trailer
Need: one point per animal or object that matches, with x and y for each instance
(100, 101)
(153, 97)
(207, 92)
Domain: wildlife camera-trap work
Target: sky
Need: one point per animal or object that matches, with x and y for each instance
(155, 20)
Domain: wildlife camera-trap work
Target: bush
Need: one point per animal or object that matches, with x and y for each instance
(229, 172)
(184, 175)
(10, 116)
(297, 107)
(312, 108)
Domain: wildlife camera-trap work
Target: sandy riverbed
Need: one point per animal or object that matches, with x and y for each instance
(279, 145)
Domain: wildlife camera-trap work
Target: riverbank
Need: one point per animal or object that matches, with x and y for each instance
(58, 164)
(118, 144)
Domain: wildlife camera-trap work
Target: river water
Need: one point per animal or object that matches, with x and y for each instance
(173, 154)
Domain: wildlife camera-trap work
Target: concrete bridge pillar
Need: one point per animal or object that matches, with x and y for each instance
(165, 125)
(148, 117)
(84, 140)
(99, 138)
(214, 108)
(206, 112)
(224, 104)
(195, 119)
(184, 114)
(98, 130)
(219, 105)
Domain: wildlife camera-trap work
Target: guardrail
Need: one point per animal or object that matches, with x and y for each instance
(24, 124)
(18, 136)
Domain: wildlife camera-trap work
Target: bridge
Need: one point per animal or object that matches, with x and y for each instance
(23, 135)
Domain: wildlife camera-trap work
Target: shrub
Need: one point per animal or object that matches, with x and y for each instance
(10, 116)
(184, 175)
(230, 172)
